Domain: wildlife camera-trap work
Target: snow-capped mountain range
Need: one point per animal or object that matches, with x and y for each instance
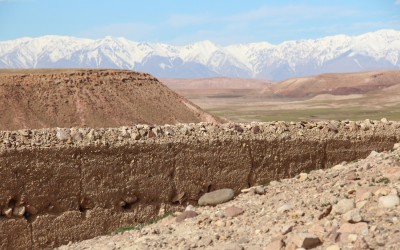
(371, 51)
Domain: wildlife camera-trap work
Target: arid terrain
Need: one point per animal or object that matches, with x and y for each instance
(334, 84)
(352, 205)
(216, 87)
(213, 185)
(207, 125)
(353, 96)
(109, 98)
(89, 98)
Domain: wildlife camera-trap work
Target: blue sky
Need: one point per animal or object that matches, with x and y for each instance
(184, 21)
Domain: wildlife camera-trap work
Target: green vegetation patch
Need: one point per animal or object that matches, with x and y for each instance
(353, 113)
(142, 225)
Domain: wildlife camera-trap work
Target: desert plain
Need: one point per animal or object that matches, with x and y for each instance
(352, 96)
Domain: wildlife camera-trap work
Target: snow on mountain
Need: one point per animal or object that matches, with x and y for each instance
(341, 53)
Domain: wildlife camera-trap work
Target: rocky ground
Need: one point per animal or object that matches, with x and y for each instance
(352, 205)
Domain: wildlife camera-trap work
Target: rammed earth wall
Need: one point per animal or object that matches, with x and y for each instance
(61, 185)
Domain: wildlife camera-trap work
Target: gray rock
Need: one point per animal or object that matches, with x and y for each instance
(259, 190)
(63, 134)
(352, 216)
(169, 131)
(216, 197)
(389, 201)
(373, 154)
(135, 136)
(343, 206)
(19, 211)
(190, 208)
(76, 135)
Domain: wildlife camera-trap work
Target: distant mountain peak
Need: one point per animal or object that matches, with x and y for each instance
(340, 53)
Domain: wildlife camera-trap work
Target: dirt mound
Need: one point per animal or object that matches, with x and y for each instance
(335, 84)
(95, 98)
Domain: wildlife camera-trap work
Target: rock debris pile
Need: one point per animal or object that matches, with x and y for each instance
(353, 205)
(26, 138)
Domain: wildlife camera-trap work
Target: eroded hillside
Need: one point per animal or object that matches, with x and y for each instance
(89, 98)
(335, 84)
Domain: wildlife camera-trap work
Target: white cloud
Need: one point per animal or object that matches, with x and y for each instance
(397, 2)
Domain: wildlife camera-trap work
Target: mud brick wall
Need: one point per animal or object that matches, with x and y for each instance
(70, 184)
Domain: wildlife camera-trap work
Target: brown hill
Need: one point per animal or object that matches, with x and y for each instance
(95, 98)
(335, 84)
